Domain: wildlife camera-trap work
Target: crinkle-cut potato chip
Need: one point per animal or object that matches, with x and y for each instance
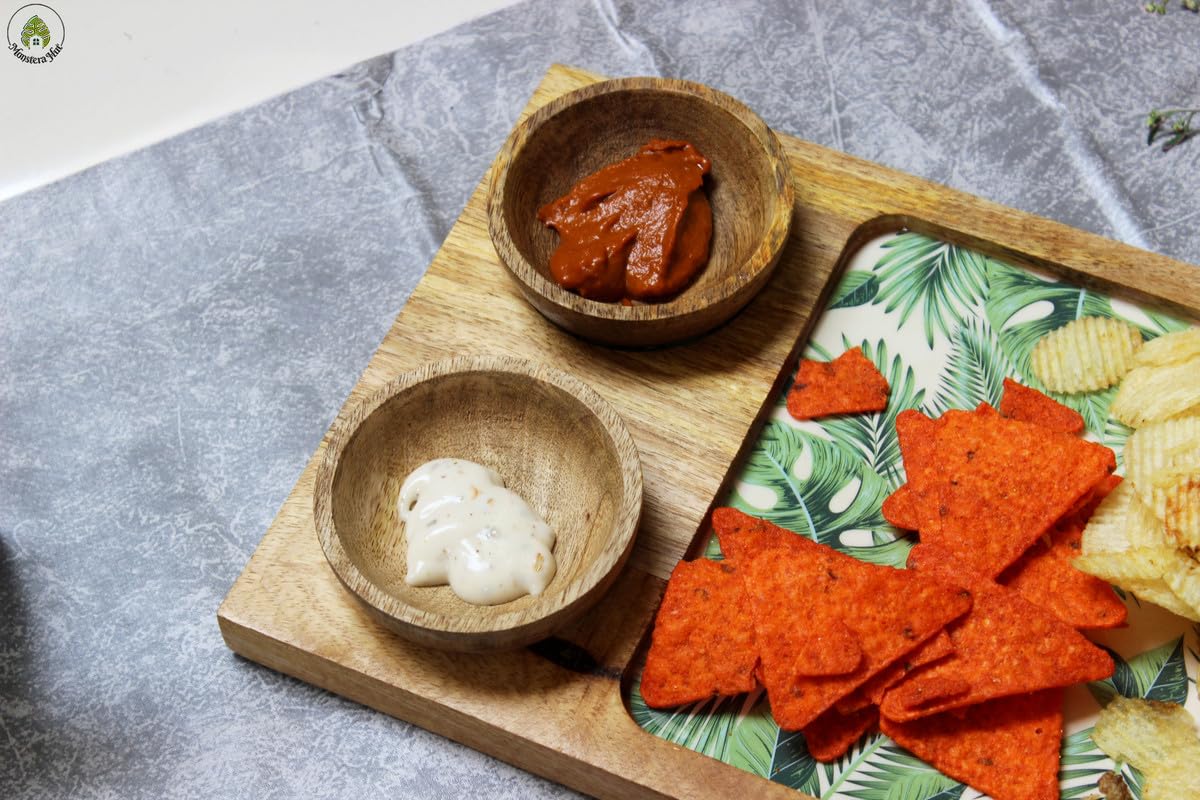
(1180, 487)
(1170, 348)
(1143, 528)
(1086, 354)
(1143, 571)
(1107, 530)
(1160, 739)
(1185, 584)
(1150, 394)
(1171, 443)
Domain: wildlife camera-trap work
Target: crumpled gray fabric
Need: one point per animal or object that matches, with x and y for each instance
(180, 325)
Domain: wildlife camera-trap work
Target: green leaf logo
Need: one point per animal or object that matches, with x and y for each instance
(37, 31)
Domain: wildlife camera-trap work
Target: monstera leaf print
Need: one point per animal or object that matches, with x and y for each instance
(820, 489)
(940, 278)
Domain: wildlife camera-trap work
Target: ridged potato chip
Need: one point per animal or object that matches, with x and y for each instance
(1143, 571)
(1106, 530)
(1086, 354)
(1150, 394)
(1170, 348)
(1185, 583)
(1180, 487)
(1160, 739)
(1170, 443)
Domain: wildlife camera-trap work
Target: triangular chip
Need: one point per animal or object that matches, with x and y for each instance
(871, 693)
(890, 611)
(703, 640)
(849, 384)
(830, 735)
(1029, 405)
(1006, 748)
(1003, 646)
(1045, 576)
(998, 484)
(899, 510)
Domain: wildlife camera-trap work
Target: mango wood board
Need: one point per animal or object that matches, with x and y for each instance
(557, 709)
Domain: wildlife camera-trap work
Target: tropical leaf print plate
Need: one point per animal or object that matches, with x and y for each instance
(946, 325)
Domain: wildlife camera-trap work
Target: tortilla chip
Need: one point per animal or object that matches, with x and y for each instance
(742, 536)
(1006, 748)
(871, 692)
(1029, 405)
(1045, 576)
(997, 485)
(1004, 646)
(703, 640)
(890, 611)
(899, 510)
(830, 735)
(850, 384)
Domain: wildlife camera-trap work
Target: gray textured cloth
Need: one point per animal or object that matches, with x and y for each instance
(179, 326)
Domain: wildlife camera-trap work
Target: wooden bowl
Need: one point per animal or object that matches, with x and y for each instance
(553, 440)
(750, 189)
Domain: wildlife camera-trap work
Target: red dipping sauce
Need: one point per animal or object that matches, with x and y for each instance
(639, 229)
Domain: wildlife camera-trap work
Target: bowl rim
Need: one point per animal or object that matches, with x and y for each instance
(683, 304)
(626, 519)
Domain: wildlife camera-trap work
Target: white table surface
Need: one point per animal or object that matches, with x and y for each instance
(135, 72)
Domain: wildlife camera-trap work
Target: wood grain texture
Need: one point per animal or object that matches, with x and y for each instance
(573, 136)
(692, 409)
(553, 441)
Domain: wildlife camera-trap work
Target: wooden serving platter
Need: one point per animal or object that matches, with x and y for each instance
(558, 708)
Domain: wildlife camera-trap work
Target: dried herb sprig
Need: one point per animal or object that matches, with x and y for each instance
(1161, 8)
(1173, 123)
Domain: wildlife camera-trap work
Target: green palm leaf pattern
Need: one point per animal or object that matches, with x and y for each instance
(823, 489)
(1051, 304)
(885, 771)
(1158, 674)
(793, 765)
(975, 371)
(855, 289)
(1083, 764)
(873, 436)
(942, 278)
(827, 478)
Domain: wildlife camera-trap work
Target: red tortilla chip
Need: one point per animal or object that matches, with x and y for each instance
(1004, 646)
(899, 509)
(703, 640)
(849, 384)
(830, 735)
(996, 485)
(890, 611)
(742, 536)
(1045, 576)
(871, 692)
(1007, 748)
(1029, 405)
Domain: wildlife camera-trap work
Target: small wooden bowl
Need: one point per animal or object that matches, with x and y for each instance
(750, 188)
(553, 440)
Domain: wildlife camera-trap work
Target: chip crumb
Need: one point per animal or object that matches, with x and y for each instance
(1112, 787)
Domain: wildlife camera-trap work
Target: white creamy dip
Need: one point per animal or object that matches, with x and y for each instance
(466, 529)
